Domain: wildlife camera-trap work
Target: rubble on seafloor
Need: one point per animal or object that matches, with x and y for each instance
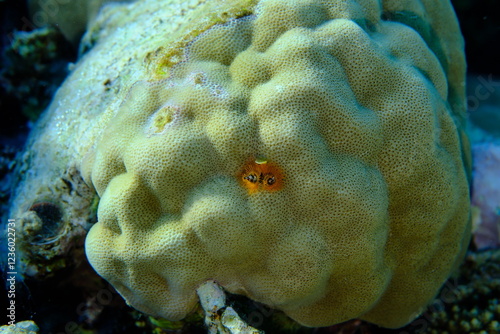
(22, 327)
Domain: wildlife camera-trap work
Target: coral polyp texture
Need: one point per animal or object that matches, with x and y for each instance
(307, 154)
(363, 118)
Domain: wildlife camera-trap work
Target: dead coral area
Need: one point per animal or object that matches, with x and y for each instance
(53, 230)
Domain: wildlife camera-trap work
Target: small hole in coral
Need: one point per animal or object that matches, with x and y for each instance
(51, 217)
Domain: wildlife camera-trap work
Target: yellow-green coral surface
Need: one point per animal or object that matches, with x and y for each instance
(357, 104)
